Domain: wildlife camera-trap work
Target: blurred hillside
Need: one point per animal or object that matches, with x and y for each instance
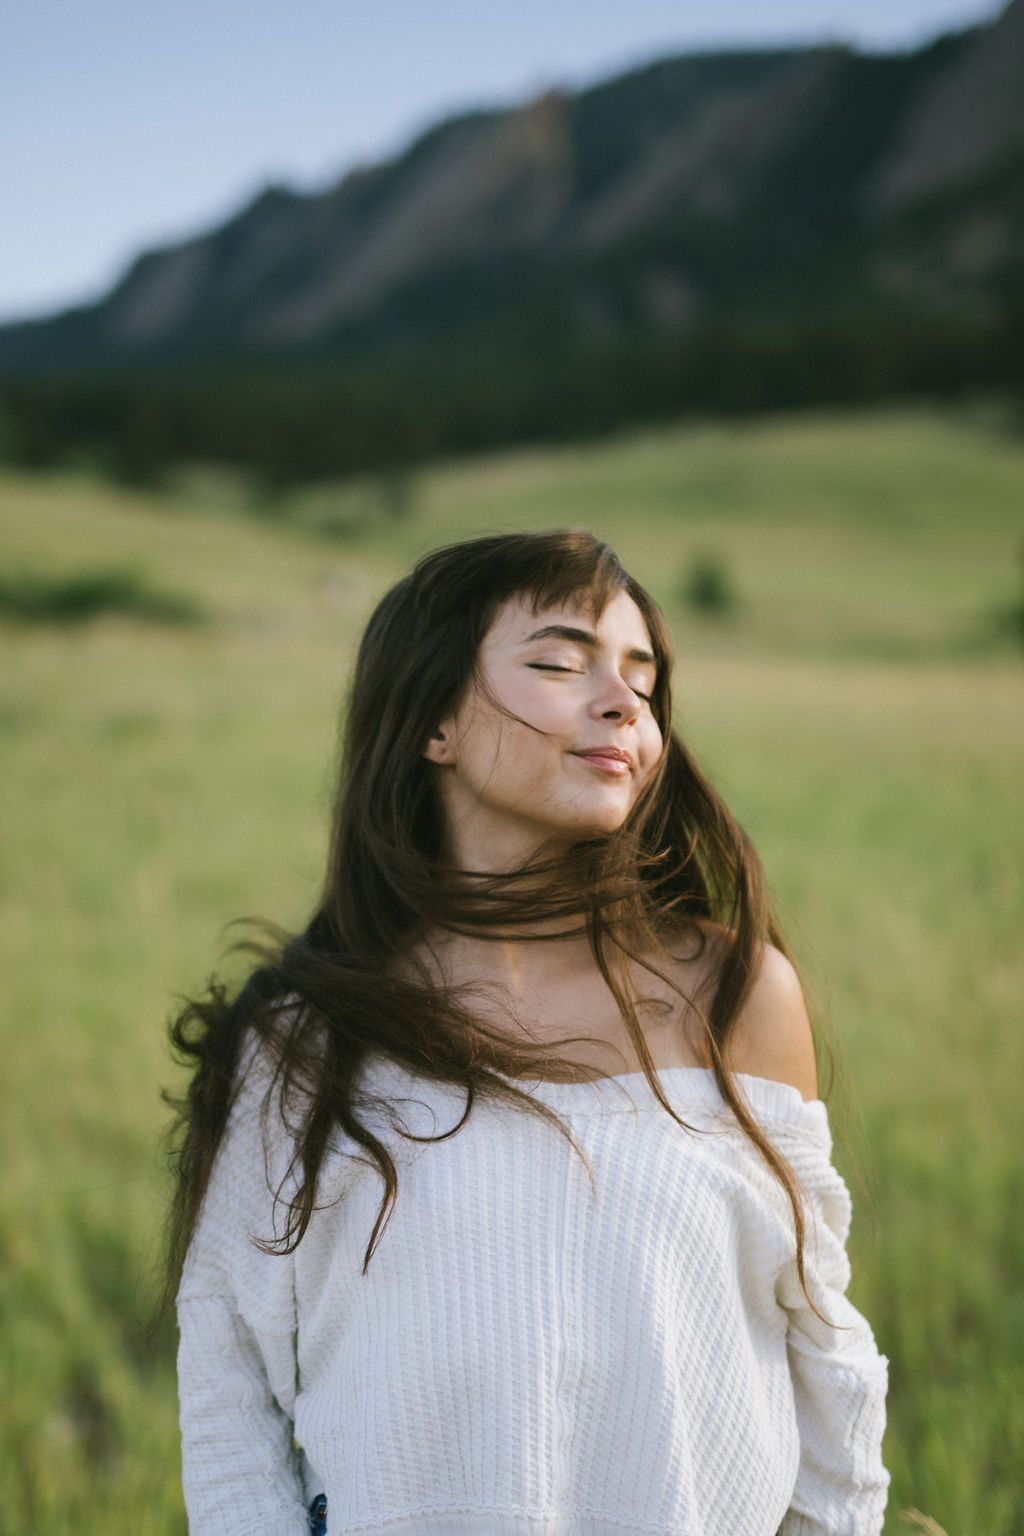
(725, 231)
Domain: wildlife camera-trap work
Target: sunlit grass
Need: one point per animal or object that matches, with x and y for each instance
(861, 714)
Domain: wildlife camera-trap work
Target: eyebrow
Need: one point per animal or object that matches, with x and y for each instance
(583, 637)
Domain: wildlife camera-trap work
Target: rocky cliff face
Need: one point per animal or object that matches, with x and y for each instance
(732, 184)
(965, 124)
(948, 201)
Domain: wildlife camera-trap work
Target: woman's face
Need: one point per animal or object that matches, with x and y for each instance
(584, 743)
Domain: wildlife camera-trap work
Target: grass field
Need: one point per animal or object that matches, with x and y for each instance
(861, 708)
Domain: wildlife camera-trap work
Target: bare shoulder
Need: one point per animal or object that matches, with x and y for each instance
(771, 1036)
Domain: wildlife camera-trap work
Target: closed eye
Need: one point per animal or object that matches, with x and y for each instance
(551, 666)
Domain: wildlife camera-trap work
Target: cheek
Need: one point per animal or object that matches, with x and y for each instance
(651, 749)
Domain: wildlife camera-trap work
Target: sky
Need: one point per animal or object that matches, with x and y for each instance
(129, 124)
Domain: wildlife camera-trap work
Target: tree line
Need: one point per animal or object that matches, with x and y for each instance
(289, 426)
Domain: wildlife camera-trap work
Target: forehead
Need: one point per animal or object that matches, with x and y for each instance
(620, 624)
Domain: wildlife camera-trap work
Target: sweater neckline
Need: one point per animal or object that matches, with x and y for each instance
(690, 1082)
(686, 1088)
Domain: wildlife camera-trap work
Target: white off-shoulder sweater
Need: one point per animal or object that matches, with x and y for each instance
(530, 1353)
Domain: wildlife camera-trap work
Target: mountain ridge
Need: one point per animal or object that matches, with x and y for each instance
(712, 186)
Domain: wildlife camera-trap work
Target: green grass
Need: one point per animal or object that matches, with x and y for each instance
(862, 712)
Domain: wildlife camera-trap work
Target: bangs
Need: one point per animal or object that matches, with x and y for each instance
(588, 579)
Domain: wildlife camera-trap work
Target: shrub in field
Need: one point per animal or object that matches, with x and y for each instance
(1017, 609)
(1008, 618)
(707, 586)
(29, 598)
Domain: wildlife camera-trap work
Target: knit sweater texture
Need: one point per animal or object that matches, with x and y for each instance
(534, 1350)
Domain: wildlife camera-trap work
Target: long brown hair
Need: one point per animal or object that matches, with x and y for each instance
(322, 1001)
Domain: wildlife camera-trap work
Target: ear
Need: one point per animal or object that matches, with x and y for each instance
(440, 747)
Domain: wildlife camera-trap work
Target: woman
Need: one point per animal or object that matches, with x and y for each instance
(506, 1205)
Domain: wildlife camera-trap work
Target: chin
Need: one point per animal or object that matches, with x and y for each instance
(597, 826)
(564, 833)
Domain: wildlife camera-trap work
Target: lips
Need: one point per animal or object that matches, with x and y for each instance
(602, 755)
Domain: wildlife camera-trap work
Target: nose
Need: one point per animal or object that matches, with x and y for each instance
(617, 701)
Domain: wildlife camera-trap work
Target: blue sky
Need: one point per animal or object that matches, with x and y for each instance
(130, 123)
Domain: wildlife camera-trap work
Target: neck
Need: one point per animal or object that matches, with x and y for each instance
(516, 965)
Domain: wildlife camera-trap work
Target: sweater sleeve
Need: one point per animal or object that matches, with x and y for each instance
(236, 1357)
(839, 1377)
